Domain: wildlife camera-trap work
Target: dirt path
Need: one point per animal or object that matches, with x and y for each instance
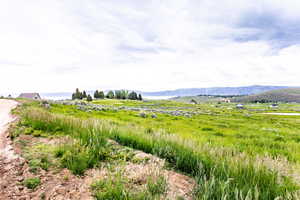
(6, 150)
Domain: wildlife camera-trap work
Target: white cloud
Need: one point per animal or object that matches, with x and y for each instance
(144, 45)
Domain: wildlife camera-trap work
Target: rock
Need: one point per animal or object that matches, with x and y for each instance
(61, 190)
(20, 179)
(154, 115)
(21, 188)
(143, 115)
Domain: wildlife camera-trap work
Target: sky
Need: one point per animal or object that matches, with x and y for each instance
(148, 45)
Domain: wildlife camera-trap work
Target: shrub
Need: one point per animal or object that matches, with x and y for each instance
(32, 183)
(110, 95)
(28, 131)
(76, 161)
(89, 98)
(158, 186)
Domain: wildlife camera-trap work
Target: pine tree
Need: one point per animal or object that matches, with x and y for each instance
(124, 94)
(77, 94)
(118, 94)
(96, 94)
(140, 97)
(84, 94)
(132, 96)
(101, 95)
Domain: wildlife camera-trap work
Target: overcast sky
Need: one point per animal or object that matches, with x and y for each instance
(149, 45)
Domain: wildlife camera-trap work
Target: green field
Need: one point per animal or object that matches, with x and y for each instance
(232, 152)
(242, 130)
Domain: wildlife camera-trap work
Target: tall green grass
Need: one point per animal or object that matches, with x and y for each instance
(220, 173)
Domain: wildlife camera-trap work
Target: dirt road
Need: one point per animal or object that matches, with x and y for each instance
(6, 151)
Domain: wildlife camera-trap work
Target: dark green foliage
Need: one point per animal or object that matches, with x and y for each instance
(32, 183)
(110, 95)
(140, 97)
(77, 94)
(133, 96)
(121, 94)
(84, 95)
(89, 98)
(96, 94)
(101, 95)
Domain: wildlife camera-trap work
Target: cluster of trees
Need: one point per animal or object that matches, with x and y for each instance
(81, 95)
(118, 94)
(123, 94)
(99, 94)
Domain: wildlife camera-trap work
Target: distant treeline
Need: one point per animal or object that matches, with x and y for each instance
(117, 94)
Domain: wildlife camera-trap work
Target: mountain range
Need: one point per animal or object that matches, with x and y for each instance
(245, 90)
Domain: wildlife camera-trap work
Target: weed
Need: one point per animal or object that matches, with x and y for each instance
(32, 183)
(157, 186)
(110, 189)
(28, 131)
(207, 129)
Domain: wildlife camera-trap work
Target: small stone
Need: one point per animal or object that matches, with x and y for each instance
(20, 179)
(143, 115)
(21, 188)
(154, 116)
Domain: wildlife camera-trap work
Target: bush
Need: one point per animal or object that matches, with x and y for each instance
(89, 98)
(32, 183)
(76, 161)
(110, 95)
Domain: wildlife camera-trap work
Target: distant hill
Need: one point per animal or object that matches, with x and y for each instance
(282, 95)
(247, 90)
(203, 98)
(225, 91)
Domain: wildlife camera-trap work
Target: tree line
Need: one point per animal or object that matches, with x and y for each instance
(117, 94)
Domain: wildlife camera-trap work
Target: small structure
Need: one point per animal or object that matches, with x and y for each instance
(226, 100)
(240, 106)
(35, 96)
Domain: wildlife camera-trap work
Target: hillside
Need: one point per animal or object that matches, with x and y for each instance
(282, 95)
(204, 98)
(255, 89)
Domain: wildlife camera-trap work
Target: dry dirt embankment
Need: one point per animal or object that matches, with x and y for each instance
(60, 184)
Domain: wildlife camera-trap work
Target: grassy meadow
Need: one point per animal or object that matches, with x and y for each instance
(231, 153)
